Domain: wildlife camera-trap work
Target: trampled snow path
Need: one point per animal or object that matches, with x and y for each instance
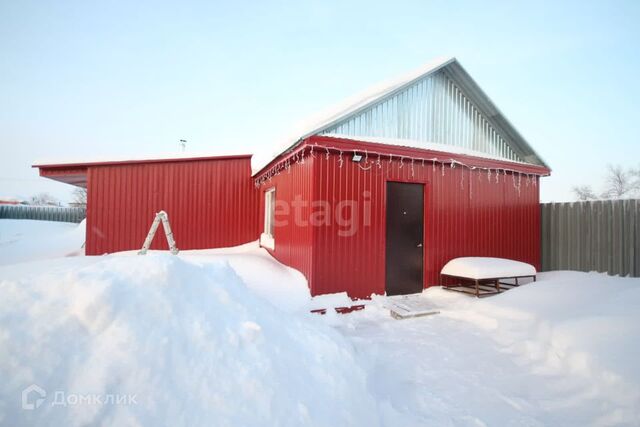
(445, 372)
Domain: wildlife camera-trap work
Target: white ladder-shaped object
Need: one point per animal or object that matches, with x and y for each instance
(160, 216)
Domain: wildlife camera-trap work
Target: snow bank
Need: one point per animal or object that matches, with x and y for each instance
(584, 324)
(487, 268)
(182, 343)
(25, 240)
(283, 286)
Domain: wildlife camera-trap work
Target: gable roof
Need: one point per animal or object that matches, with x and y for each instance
(518, 149)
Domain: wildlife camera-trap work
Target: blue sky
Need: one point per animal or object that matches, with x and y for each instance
(98, 79)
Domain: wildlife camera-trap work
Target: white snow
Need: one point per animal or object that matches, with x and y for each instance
(26, 240)
(285, 287)
(225, 337)
(181, 155)
(487, 268)
(185, 343)
(562, 351)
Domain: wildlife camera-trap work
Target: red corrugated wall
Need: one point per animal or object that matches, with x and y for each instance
(211, 203)
(466, 214)
(293, 233)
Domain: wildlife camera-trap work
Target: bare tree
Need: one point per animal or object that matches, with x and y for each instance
(79, 197)
(636, 183)
(44, 199)
(619, 183)
(584, 192)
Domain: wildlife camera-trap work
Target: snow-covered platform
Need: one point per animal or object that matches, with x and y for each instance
(407, 306)
(484, 276)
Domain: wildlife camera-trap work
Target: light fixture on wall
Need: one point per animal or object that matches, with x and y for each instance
(356, 157)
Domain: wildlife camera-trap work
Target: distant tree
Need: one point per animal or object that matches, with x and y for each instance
(44, 199)
(79, 197)
(635, 173)
(584, 192)
(619, 183)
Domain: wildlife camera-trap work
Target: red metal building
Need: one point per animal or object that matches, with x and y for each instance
(211, 201)
(467, 211)
(374, 199)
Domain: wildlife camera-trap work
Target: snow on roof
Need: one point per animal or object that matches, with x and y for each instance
(356, 104)
(180, 156)
(351, 105)
(319, 121)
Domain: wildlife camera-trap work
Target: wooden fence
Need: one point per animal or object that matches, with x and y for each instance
(42, 213)
(599, 235)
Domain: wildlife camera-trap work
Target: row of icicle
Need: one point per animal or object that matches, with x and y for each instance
(315, 150)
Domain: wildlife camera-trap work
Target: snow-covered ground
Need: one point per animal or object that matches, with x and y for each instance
(28, 240)
(225, 337)
(560, 352)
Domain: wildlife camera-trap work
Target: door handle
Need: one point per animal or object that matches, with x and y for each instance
(419, 245)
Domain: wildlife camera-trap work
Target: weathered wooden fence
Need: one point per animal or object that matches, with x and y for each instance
(599, 235)
(43, 213)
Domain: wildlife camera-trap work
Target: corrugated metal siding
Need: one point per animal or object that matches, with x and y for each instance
(349, 263)
(211, 203)
(466, 214)
(434, 109)
(602, 235)
(293, 236)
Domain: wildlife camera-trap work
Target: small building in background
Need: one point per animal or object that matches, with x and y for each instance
(375, 198)
(9, 200)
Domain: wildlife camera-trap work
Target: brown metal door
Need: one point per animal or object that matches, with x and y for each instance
(405, 222)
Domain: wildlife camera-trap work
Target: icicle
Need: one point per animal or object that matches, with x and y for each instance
(390, 158)
(433, 165)
(462, 178)
(340, 160)
(442, 168)
(302, 157)
(378, 162)
(327, 155)
(412, 168)
(422, 163)
(366, 157)
(519, 182)
(401, 164)
(312, 153)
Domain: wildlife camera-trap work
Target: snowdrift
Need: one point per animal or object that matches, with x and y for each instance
(179, 343)
(583, 324)
(26, 240)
